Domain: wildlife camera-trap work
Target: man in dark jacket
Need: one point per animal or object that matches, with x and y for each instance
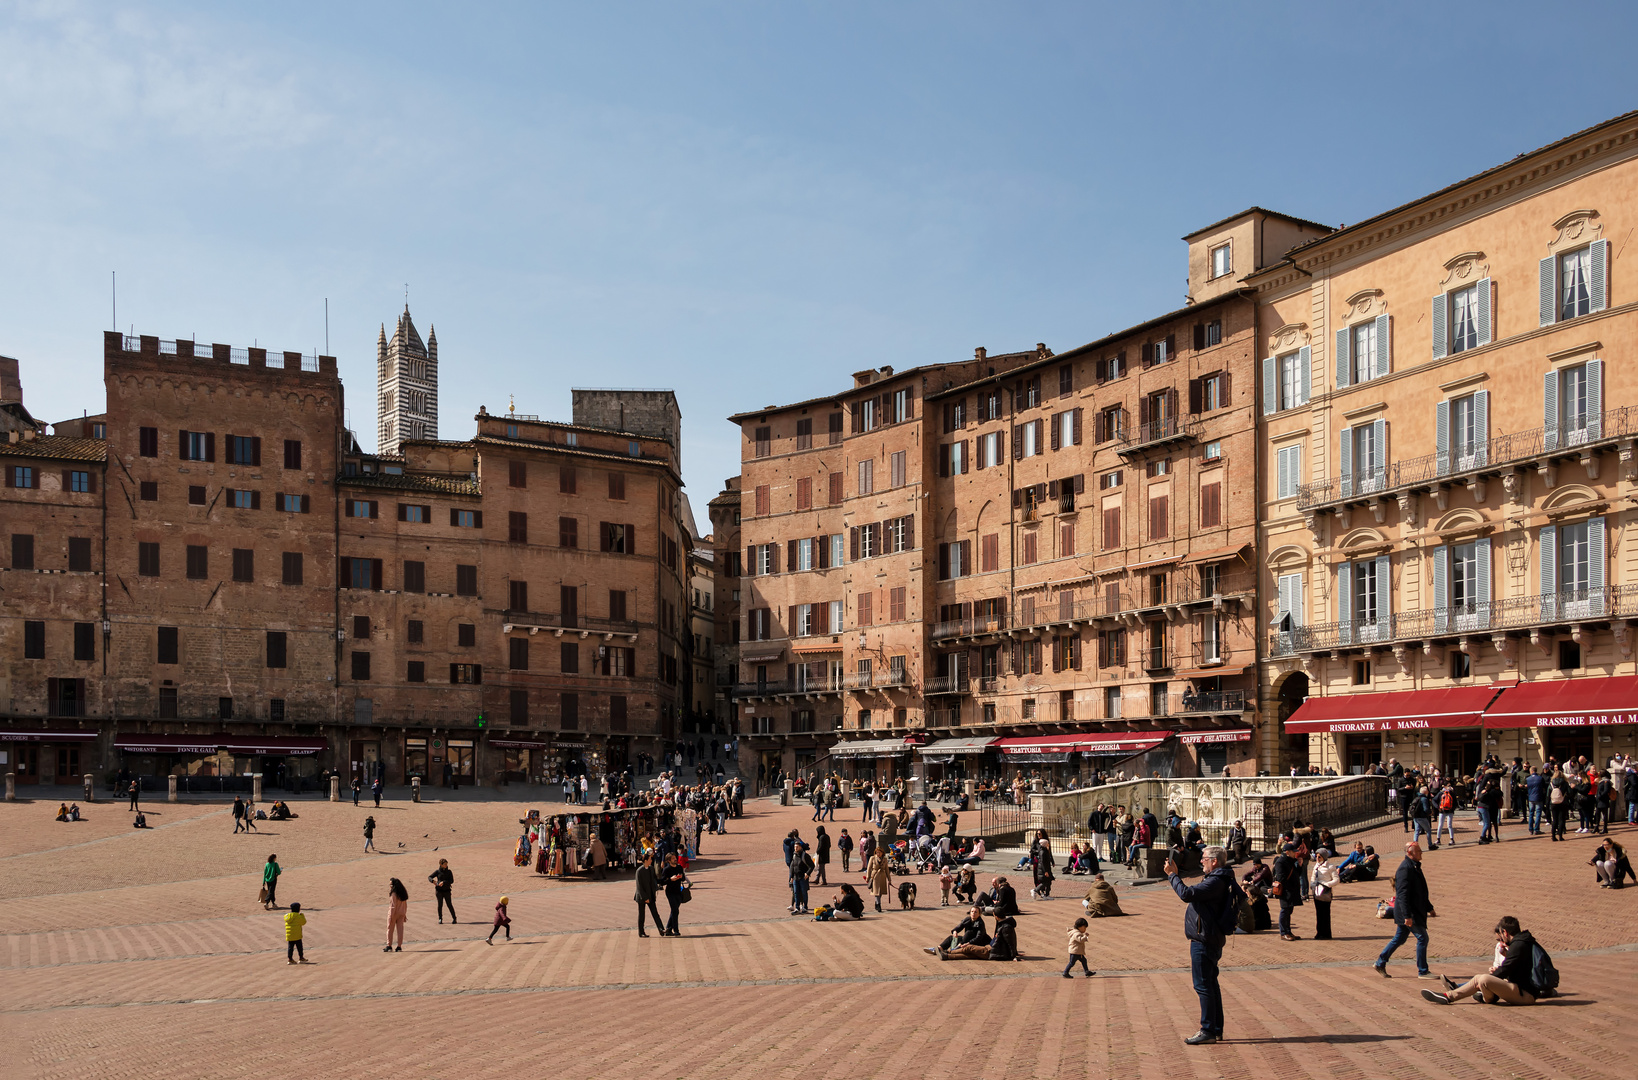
(1410, 912)
(1509, 981)
(1288, 876)
(647, 889)
(1203, 926)
(969, 931)
(1002, 898)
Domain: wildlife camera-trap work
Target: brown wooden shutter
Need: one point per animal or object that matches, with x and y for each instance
(255, 449)
(909, 532)
(1080, 483)
(603, 538)
(944, 459)
(966, 454)
(1199, 336)
(750, 560)
(1228, 397)
(256, 502)
(853, 543)
(403, 511)
(1148, 355)
(857, 409)
(910, 402)
(1171, 346)
(1056, 427)
(790, 554)
(966, 557)
(375, 574)
(887, 408)
(631, 535)
(1052, 489)
(1194, 396)
(790, 621)
(1017, 442)
(944, 562)
(1075, 652)
(306, 504)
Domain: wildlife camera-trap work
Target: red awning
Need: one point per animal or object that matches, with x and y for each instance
(1124, 742)
(1566, 703)
(1221, 735)
(295, 745)
(167, 744)
(1454, 707)
(47, 736)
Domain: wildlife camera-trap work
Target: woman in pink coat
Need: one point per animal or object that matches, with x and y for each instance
(397, 913)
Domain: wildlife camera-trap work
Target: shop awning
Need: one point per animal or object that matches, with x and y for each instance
(167, 744)
(1153, 562)
(1223, 670)
(1125, 742)
(871, 748)
(1221, 735)
(295, 745)
(814, 648)
(762, 655)
(47, 736)
(1566, 703)
(1452, 707)
(959, 746)
(1215, 555)
(517, 744)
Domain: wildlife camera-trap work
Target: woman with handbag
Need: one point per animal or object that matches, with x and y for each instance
(1325, 881)
(676, 885)
(1287, 888)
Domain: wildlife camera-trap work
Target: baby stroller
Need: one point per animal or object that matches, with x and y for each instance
(898, 858)
(926, 857)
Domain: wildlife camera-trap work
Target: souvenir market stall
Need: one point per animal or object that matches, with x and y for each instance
(560, 844)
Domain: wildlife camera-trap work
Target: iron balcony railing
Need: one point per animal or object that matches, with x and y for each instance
(1510, 613)
(1156, 657)
(570, 621)
(945, 684)
(1565, 437)
(770, 688)
(973, 627)
(1162, 430)
(1210, 701)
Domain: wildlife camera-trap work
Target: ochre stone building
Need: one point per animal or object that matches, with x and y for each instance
(212, 579)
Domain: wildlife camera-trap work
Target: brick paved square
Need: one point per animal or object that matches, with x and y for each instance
(146, 954)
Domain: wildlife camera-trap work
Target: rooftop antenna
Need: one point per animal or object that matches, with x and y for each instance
(326, 326)
(114, 285)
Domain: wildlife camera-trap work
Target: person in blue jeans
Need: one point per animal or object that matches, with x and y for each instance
(1535, 795)
(1421, 812)
(1411, 906)
(1203, 926)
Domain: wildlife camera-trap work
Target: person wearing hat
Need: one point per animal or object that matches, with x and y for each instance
(1325, 881)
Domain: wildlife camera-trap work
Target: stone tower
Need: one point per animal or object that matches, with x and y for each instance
(406, 377)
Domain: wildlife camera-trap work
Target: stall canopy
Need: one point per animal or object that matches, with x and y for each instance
(1566, 703)
(1222, 735)
(47, 736)
(298, 745)
(871, 748)
(1452, 707)
(1125, 742)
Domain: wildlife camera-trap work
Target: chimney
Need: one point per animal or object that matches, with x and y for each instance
(980, 353)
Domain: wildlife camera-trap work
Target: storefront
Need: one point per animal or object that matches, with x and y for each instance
(46, 757)
(1214, 750)
(1071, 761)
(1419, 728)
(1566, 719)
(520, 759)
(417, 759)
(948, 762)
(880, 761)
(288, 762)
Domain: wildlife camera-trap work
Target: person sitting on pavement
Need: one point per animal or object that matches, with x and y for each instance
(1002, 899)
(1003, 946)
(969, 931)
(1100, 901)
(975, 855)
(62, 812)
(1510, 981)
(849, 900)
(1355, 858)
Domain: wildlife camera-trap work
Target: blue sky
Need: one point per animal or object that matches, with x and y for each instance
(743, 202)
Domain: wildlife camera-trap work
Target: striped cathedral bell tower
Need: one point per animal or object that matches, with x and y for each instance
(406, 385)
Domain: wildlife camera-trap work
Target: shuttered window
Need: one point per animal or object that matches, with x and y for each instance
(1211, 505)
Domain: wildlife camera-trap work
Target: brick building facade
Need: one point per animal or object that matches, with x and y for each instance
(263, 596)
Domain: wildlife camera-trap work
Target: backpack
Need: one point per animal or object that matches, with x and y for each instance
(1543, 973)
(1447, 801)
(1228, 919)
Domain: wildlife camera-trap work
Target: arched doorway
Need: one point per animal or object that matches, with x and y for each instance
(1293, 691)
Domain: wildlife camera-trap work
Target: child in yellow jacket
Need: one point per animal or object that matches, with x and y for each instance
(294, 920)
